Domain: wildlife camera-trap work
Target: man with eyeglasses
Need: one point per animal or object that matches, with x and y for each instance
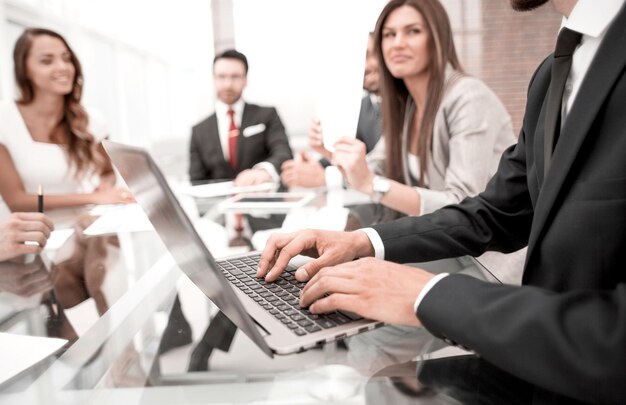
(240, 141)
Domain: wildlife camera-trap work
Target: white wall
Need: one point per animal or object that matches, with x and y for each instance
(147, 64)
(281, 39)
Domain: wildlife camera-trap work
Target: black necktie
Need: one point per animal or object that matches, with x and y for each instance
(565, 46)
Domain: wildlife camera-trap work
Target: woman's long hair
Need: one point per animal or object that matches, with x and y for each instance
(81, 147)
(395, 94)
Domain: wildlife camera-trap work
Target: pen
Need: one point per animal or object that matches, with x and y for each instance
(40, 199)
(53, 298)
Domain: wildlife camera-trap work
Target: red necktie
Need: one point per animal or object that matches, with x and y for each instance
(233, 134)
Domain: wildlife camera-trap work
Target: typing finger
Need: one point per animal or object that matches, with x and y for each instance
(271, 250)
(292, 249)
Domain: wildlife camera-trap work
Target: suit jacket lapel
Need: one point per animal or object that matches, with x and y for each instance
(538, 146)
(605, 69)
(214, 139)
(241, 141)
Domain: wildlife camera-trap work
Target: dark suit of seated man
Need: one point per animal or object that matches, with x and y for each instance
(254, 133)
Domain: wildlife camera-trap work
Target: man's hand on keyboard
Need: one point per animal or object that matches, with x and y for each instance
(372, 288)
(328, 247)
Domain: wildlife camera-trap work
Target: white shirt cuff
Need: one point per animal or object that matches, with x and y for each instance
(269, 168)
(426, 289)
(333, 177)
(376, 241)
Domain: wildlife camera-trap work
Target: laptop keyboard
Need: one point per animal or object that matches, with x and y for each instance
(280, 298)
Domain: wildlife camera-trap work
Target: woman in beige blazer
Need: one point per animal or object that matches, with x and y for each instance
(443, 131)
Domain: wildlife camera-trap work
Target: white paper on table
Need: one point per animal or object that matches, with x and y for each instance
(327, 218)
(120, 218)
(19, 352)
(340, 64)
(58, 238)
(82, 316)
(223, 188)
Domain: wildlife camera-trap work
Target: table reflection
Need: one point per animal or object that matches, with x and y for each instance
(458, 379)
(63, 293)
(81, 276)
(25, 277)
(133, 320)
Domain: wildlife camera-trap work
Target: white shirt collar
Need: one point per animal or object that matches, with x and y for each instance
(221, 108)
(592, 17)
(375, 98)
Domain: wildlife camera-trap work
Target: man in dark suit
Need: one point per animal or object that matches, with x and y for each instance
(240, 141)
(564, 329)
(308, 172)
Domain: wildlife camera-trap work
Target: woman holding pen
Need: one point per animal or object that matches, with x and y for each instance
(47, 137)
(21, 227)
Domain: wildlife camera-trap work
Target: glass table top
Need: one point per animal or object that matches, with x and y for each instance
(137, 329)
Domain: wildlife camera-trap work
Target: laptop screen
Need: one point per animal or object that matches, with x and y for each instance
(154, 195)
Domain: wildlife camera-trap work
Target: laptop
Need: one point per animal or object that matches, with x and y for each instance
(268, 313)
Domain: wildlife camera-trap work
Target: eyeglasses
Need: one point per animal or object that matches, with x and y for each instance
(233, 78)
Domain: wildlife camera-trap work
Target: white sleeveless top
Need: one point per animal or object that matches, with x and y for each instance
(42, 163)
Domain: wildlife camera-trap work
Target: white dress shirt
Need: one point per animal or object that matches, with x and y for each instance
(223, 122)
(223, 126)
(590, 19)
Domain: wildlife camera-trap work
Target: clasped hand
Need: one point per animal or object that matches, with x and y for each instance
(349, 157)
(251, 177)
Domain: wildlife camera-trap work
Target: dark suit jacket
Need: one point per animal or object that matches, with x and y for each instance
(369, 127)
(565, 329)
(206, 158)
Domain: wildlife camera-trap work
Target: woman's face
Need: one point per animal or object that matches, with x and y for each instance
(405, 43)
(49, 66)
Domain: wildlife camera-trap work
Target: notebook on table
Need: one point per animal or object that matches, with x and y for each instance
(268, 313)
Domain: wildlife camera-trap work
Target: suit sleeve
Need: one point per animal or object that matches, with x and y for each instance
(549, 339)
(197, 170)
(369, 127)
(276, 141)
(498, 219)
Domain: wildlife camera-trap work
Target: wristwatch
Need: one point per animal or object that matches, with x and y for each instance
(380, 187)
